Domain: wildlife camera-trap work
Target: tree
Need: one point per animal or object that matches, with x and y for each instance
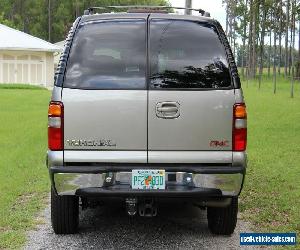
(52, 19)
(293, 31)
(297, 63)
(250, 41)
(280, 34)
(274, 58)
(49, 19)
(6, 22)
(287, 37)
(262, 36)
(241, 22)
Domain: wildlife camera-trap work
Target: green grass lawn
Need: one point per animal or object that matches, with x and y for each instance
(271, 195)
(20, 86)
(23, 175)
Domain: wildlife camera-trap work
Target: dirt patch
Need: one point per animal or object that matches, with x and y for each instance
(22, 200)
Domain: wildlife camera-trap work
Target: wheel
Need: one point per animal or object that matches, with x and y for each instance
(64, 213)
(222, 220)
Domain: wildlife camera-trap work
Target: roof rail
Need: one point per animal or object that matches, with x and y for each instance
(91, 10)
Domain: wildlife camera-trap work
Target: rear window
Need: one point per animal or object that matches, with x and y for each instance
(186, 54)
(108, 55)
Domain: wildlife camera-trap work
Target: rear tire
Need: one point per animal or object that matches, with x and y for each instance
(64, 213)
(222, 220)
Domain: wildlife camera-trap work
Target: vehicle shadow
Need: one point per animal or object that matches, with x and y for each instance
(178, 224)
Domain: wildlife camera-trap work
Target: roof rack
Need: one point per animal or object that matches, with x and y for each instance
(142, 8)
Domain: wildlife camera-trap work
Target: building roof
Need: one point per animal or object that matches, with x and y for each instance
(12, 39)
(60, 44)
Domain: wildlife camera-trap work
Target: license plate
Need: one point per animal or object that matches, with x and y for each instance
(148, 179)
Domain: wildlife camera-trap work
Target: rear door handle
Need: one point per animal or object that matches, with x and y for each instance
(167, 110)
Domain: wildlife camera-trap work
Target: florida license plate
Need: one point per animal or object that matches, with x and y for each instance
(148, 179)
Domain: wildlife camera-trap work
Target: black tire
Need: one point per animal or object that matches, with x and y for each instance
(222, 220)
(64, 213)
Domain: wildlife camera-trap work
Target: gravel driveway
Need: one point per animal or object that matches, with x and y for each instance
(177, 226)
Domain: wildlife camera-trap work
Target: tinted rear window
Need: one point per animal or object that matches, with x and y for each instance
(108, 55)
(186, 54)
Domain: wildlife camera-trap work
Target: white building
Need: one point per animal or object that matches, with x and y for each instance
(25, 58)
(57, 55)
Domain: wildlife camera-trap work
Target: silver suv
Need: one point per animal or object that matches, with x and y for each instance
(146, 106)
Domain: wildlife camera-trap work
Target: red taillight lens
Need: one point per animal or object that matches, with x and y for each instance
(240, 139)
(55, 138)
(239, 133)
(55, 126)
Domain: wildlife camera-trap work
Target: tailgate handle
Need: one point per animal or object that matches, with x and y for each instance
(167, 110)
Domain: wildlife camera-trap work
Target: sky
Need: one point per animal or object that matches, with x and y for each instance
(217, 11)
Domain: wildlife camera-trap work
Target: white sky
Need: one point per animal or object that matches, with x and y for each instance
(217, 11)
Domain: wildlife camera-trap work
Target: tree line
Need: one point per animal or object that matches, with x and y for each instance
(52, 19)
(263, 34)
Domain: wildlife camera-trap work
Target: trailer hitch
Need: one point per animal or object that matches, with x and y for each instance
(147, 207)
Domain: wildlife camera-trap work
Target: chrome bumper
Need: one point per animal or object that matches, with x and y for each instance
(226, 183)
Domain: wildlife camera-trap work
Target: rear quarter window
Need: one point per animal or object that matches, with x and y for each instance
(188, 55)
(108, 55)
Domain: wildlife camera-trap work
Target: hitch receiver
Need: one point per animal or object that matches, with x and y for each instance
(147, 207)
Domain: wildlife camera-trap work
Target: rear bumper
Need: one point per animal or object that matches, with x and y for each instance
(189, 180)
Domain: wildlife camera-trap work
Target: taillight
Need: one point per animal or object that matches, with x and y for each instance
(239, 133)
(55, 126)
